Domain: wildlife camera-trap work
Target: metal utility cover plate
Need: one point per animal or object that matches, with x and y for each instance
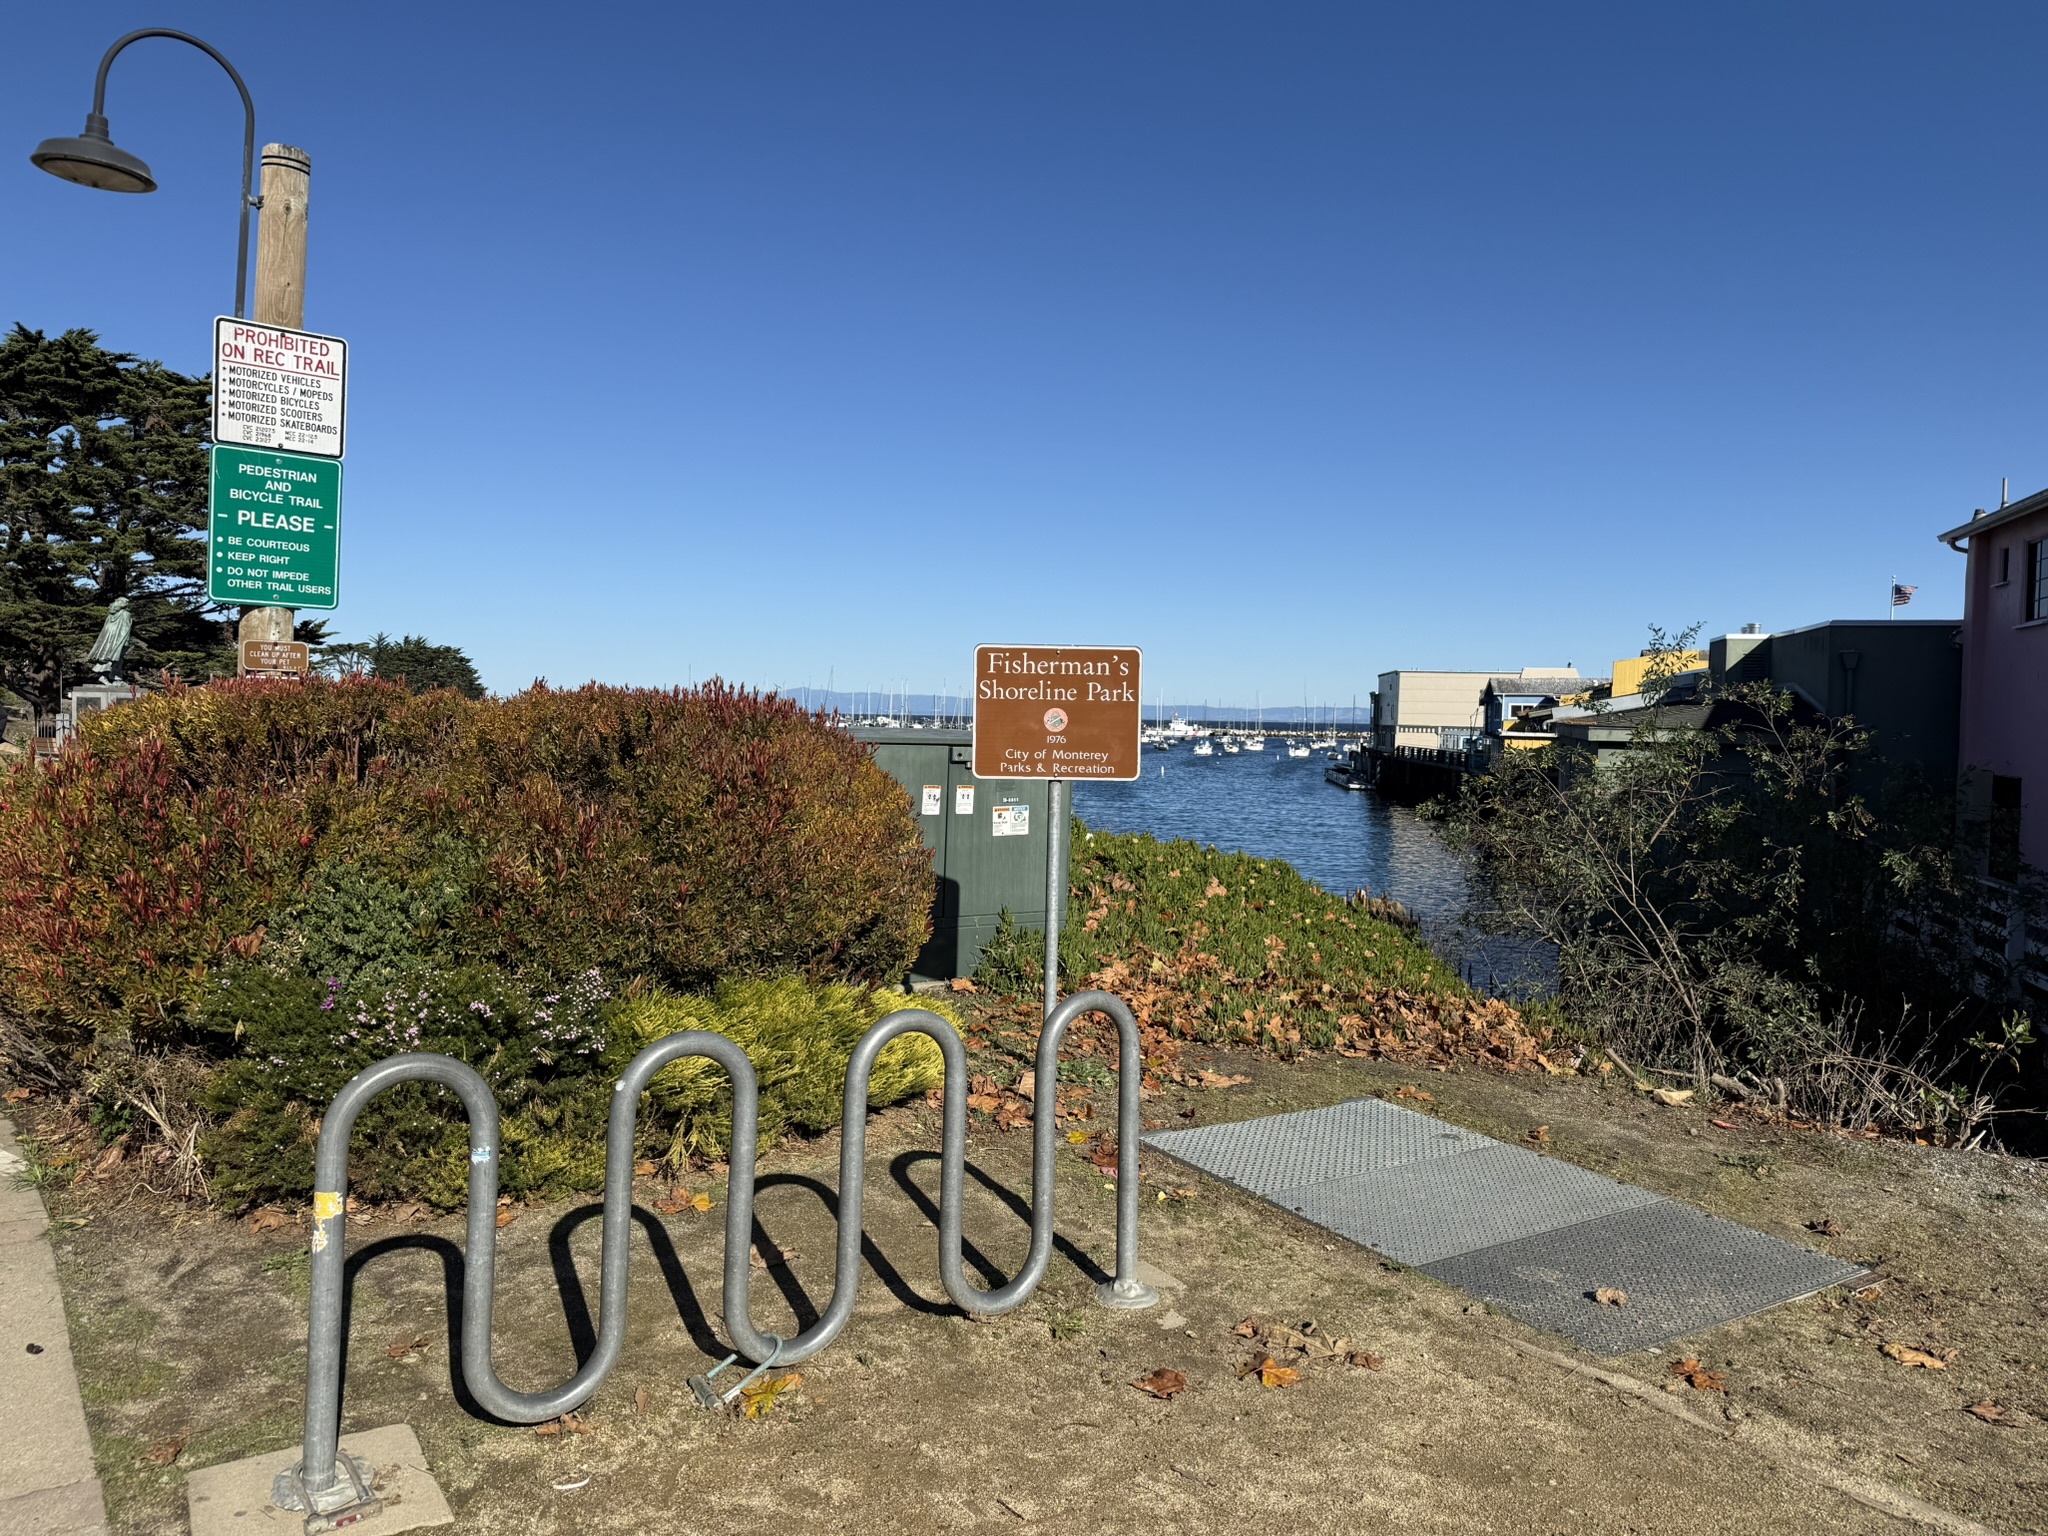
(1282, 1152)
(1442, 1206)
(1684, 1271)
(1533, 1235)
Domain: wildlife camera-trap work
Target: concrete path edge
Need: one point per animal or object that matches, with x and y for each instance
(48, 1484)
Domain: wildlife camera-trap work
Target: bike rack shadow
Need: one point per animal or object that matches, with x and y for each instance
(575, 1304)
(452, 1263)
(899, 1170)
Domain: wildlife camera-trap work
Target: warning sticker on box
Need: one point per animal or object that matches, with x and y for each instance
(1012, 821)
(934, 799)
(963, 799)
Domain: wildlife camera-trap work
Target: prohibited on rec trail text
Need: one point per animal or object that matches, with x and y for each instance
(1056, 712)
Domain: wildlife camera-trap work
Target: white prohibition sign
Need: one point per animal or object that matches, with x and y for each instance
(278, 388)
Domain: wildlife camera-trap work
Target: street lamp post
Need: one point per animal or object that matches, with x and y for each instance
(94, 160)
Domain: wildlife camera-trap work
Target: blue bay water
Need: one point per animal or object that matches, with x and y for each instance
(1276, 807)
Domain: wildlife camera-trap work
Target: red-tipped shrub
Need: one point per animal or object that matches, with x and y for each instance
(680, 835)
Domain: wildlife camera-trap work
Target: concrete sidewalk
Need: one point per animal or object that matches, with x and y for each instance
(47, 1483)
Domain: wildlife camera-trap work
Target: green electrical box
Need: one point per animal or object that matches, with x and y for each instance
(987, 839)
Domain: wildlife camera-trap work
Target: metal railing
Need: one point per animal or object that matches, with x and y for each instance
(335, 1489)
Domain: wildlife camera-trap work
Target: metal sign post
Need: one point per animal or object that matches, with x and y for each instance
(1056, 834)
(1056, 713)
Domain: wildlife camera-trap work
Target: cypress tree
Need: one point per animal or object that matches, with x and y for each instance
(102, 495)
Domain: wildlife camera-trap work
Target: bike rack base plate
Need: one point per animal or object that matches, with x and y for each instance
(234, 1497)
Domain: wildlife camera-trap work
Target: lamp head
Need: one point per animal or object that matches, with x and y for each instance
(93, 160)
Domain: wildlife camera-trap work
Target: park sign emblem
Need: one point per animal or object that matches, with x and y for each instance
(274, 537)
(1056, 712)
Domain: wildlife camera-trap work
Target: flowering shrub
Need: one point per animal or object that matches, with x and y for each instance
(546, 1056)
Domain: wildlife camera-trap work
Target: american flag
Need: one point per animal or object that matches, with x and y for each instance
(1902, 595)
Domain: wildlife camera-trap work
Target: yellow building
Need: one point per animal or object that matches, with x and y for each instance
(1628, 672)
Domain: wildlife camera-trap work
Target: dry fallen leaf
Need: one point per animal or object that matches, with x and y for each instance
(759, 1400)
(1104, 1155)
(1075, 1138)
(1825, 1227)
(1922, 1359)
(1210, 1079)
(1274, 1374)
(1540, 1135)
(400, 1348)
(1410, 1091)
(1695, 1374)
(1163, 1383)
(1365, 1360)
(1248, 1329)
(777, 1260)
(568, 1423)
(507, 1215)
(16, 1096)
(640, 1400)
(1722, 1125)
(163, 1455)
(644, 1169)
(1672, 1095)
(266, 1219)
(962, 984)
(1991, 1413)
(109, 1160)
(1611, 1296)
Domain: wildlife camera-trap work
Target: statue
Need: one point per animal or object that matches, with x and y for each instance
(111, 643)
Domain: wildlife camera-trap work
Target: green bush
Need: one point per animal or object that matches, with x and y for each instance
(1232, 949)
(546, 1055)
(799, 1039)
(233, 873)
(681, 836)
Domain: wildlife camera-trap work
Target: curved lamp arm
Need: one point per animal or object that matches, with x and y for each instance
(99, 118)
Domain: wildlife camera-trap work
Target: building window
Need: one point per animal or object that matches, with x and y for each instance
(2004, 566)
(2037, 579)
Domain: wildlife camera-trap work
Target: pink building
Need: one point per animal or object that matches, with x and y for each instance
(2004, 743)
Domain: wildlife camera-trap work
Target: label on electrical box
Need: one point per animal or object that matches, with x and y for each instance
(1012, 821)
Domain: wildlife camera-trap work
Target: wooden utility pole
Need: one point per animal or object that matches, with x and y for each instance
(280, 298)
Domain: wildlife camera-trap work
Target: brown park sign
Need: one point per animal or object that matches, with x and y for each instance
(1056, 712)
(275, 658)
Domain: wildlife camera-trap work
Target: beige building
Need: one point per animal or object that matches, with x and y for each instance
(1441, 710)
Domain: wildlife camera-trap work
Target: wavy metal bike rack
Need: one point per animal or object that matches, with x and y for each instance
(335, 1489)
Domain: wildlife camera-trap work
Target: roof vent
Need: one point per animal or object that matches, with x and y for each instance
(1752, 629)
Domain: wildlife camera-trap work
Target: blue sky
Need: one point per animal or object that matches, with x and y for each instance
(1290, 342)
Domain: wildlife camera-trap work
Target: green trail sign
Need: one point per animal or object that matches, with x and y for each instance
(275, 536)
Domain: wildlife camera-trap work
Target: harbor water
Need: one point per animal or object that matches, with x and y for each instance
(1276, 807)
